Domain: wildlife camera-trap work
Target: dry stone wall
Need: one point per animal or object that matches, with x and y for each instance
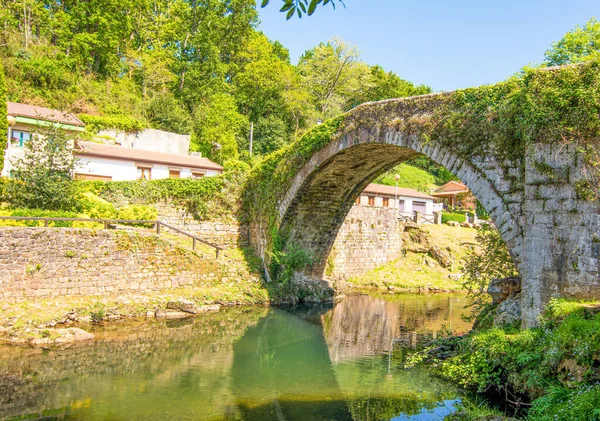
(225, 234)
(368, 238)
(45, 262)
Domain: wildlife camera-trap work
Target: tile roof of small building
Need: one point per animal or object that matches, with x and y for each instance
(391, 191)
(17, 109)
(451, 187)
(131, 154)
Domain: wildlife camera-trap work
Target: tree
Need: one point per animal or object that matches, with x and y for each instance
(333, 73)
(386, 85)
(580, 44)
(491, 261)
(218, 125)
(42, 178)
(300, 7)
(3, 117)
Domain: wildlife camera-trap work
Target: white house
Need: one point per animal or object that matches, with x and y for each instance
(409, 200)
(97, 161)
(24, 120)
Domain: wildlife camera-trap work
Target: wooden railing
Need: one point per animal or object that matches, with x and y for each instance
(109, 222)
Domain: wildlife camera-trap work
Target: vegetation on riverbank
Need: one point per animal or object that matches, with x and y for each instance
(551, 369)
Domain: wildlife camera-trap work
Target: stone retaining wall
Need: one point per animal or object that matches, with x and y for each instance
(44, 262)
(224, 234)
(368, 238)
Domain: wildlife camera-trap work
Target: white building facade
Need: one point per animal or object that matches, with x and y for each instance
(151, 155)
(116, 163)
(408, 201)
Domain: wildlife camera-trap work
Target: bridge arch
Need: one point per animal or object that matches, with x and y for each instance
(324, 190)
(527, 172)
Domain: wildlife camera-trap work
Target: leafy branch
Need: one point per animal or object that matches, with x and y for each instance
(302, 7)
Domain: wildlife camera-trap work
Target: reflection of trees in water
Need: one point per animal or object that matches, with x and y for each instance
(239, 364)
(366, 325)
(137, 356)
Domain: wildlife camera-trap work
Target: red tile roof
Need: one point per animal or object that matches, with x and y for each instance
(391, 191)
(41, 113)
(451, 187)
(130, 154)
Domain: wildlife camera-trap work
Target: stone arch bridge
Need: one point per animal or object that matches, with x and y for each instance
(532, 188)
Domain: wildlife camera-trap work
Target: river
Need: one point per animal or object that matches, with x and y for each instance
(305, 363)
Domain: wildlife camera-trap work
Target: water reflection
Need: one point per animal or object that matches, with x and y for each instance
(314, 363)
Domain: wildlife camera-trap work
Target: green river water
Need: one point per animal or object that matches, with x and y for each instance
(306, 363)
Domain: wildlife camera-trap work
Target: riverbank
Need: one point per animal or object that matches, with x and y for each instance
(431, 262)
(551, 372)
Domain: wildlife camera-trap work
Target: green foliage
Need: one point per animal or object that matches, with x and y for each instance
(454, 216)
(580, 44)
(95, 207)
(209, 197)
(491, 260)
(165, 113)
(39, 213)
(42, 178)
(3, 116)
(138, 212)
(300, 7)
(410, 177)
(97, 312)
(552, 364)
(564, 405)
(123, 123)
(217, 124)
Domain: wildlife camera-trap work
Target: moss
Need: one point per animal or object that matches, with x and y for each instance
(3, 116)
(556, 106)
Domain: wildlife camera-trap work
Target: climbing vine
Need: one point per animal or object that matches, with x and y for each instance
(3, 117)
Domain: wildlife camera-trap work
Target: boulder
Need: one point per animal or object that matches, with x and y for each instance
(508, 311)
(501, 288)
(186, 306)
(442, 257)
(455, 276)
(453, 223)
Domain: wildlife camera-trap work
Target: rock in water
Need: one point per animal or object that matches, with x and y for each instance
(186, 306)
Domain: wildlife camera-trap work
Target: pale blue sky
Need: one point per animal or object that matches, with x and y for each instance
(442, 43)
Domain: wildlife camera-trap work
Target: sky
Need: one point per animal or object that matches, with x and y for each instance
(443, 44)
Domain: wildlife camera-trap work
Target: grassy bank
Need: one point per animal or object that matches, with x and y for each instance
(417, 269)
(553, 369)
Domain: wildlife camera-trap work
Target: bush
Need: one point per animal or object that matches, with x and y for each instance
(40, 213)
(138, 212)
(96, 207)
(455, 216)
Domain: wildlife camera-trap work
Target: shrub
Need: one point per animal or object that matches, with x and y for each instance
(138, 212)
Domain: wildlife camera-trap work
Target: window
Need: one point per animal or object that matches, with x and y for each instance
(174, 174)
(371, 200)
(197, 174)
(19, 137)
(358, 200)
(144, 173)
(386, 202)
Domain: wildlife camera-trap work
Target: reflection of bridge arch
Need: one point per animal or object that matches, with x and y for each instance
(529, 189)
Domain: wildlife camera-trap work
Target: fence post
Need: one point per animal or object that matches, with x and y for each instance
(193, 243)
(217, 253)
(417, 217)
(158, 227)
(45, 223)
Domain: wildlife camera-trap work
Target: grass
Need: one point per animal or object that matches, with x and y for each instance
(410, 177)
(419, 270)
